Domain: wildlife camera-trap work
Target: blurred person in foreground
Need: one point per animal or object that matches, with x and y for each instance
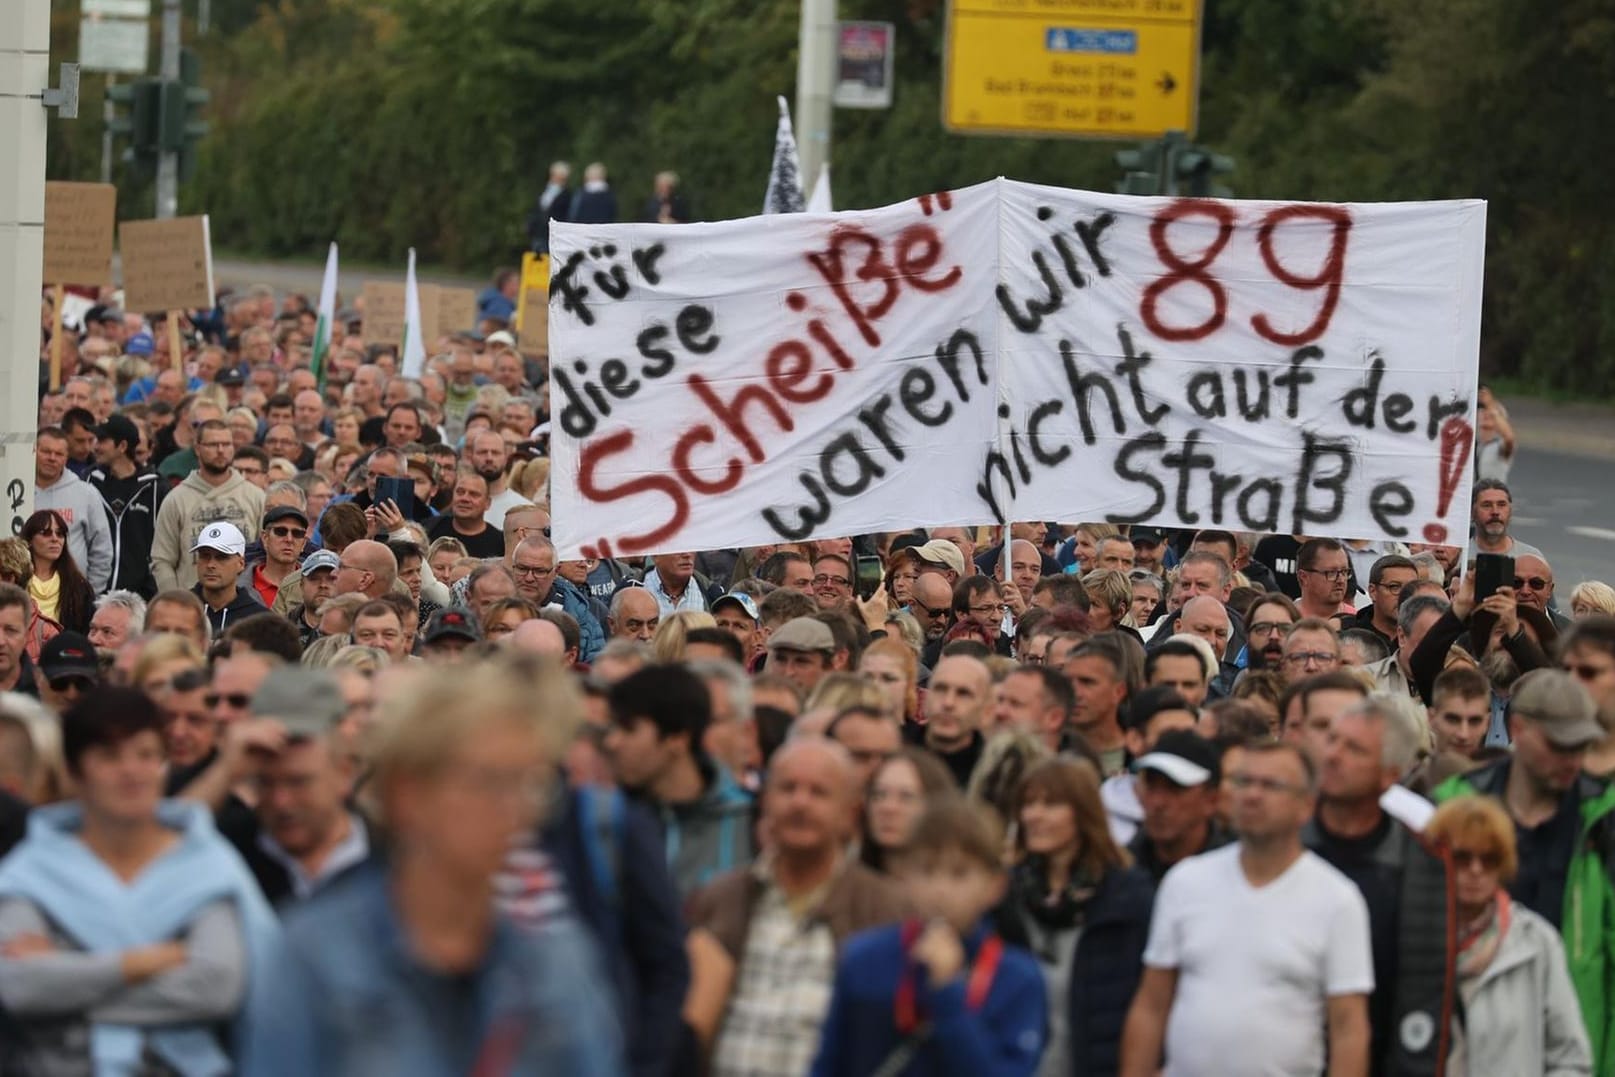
(130, 933)
(406, 968)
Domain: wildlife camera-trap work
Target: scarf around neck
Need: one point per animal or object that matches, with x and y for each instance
(1059, 910)
(1478, 940)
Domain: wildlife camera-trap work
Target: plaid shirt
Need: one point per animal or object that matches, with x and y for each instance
(782, 992)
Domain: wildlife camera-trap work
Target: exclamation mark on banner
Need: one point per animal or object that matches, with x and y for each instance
(1457, 442)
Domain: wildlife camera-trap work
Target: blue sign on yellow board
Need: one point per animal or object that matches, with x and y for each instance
(1099, 68)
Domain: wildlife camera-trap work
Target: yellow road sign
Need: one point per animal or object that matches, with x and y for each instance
(1094, 68)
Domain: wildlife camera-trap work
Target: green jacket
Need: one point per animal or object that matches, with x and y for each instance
(1588, 922)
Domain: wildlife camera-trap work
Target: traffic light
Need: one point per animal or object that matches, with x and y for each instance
(140, 117)
(1196, 170)
(181, 126)
(1141, 169)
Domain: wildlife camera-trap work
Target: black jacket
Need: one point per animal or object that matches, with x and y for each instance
(1108, 966)
(640, 931)
(134, 525)
(1422, 988)
(245, 604)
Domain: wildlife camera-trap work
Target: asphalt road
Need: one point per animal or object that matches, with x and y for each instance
(1562, 505)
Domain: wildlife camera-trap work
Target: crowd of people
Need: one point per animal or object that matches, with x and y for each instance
(316, 758)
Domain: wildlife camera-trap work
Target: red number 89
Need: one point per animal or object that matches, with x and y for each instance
(1328, 277)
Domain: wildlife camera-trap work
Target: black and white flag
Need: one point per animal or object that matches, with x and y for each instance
(785, 177)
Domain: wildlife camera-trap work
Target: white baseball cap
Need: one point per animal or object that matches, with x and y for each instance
(223, 536)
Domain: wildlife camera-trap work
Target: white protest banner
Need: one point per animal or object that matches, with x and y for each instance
(1014, 352)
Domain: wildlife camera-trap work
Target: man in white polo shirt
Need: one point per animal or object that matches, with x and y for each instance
(1258, 960)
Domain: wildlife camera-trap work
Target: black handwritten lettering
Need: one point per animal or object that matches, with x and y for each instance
(808, 518)
(1315, 451)
(1131, 366)
(1128, 473)
(1081, 386)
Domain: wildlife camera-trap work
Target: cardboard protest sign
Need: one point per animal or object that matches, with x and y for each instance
(1013, 352)
(533, 336)
(79, 222)
(167, 264)
(383, 312)
(455, 309)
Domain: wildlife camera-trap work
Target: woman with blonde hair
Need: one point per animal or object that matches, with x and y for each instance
(1520, 1013)
(16, 566)
(1084, 546)
(836, 692)
(1110, 599)
(1592, 597)
(531, 479)
(243, 424)
(894, 668)
(345, 427)
(1078, 903)
(163, 656)
(668, 643)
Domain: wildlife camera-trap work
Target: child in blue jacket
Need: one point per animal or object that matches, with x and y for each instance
(940, 995)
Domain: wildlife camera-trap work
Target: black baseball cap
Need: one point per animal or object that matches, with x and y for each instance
(454, 621)
(69, 654)
(230, 375)
(285, 512)
(119, 428)
(1152, 535)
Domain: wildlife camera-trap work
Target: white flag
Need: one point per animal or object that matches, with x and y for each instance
(322, 330)
(414, 357)
(785, 178)
(821, 201)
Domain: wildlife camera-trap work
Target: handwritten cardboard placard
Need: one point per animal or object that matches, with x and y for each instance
(1011, 352)
(383, 312)
(80, 219)
(167, 265)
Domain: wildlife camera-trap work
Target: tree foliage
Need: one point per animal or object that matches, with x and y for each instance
(429, 123)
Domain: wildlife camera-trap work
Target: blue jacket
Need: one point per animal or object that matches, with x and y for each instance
(591, 635)
(1004, 1038)
(1108, 966)
(638, 926)
(346, 995)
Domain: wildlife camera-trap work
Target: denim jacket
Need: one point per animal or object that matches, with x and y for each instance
(346, 997)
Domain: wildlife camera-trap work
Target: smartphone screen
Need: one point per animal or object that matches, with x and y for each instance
(869, 574)
(399, 491)
(1492, 570)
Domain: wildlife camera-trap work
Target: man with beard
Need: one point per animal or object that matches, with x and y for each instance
(1268, 622)
(214, 493)
(931, 603)
(1492, 508)
(133, 497)
(486, 453)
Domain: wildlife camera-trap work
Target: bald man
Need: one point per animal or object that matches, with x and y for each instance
(956, 706)
(368, 568)
(783, 939)
(538, 636)
(1206, 617)
(635, 614)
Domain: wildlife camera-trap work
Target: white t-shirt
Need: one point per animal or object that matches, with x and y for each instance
(502, 503)
(1256, 966)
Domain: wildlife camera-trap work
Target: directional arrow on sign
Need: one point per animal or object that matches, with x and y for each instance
(1167, 83)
